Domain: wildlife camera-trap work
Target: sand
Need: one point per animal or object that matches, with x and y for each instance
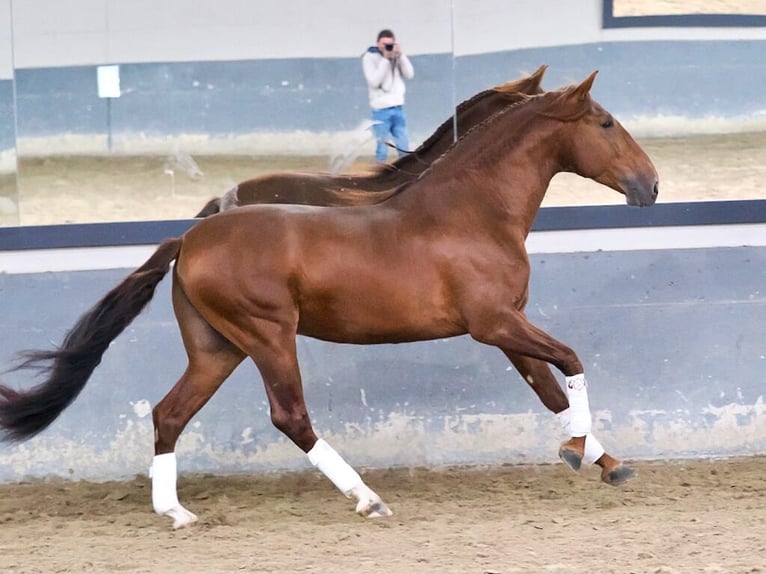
(676, 517)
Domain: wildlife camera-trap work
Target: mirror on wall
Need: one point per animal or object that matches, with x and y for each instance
(150, 113)
(9, 198)
(113, 111)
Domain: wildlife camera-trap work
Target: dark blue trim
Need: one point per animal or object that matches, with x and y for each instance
(90, 234)
(662, 215)
(609, 20)
(548, 219)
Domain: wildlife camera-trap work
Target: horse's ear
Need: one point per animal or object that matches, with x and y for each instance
(582, 91)
(538, 74)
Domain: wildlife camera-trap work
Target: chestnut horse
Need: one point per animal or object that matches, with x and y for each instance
(442, 257)
(349, 189)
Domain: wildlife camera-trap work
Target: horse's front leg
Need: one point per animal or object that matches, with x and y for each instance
(512, 332)
(542, 381)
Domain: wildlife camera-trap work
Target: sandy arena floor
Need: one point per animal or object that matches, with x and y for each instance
(701, 516)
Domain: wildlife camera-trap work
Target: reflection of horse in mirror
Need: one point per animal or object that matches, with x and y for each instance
(442, 257)
(349, 189)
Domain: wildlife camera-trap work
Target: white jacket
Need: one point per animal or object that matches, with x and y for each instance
(385, 78)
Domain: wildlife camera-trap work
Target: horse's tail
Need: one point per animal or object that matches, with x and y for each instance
(23, 414)
(211, 208)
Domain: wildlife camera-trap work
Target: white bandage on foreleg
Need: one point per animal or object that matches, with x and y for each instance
(577, 392)
(163, 474)
(565, 418)
(593, 450)
(332, 465)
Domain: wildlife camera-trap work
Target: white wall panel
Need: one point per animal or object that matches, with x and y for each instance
(86, 32)
(6, 35)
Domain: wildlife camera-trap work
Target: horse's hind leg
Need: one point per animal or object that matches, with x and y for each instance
(278, 364)
(212, 358)
(542, 381)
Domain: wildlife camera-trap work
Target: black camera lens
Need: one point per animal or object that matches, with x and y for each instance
(389, 47)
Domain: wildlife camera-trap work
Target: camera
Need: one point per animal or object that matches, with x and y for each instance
(389, 47)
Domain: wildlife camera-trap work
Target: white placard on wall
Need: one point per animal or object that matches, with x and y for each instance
(109, 81)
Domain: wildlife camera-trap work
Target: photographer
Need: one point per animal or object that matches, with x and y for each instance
(385, 66)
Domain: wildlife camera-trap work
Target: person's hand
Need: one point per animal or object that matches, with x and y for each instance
(397, 51)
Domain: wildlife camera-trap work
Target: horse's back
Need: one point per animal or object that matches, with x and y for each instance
(344, 274)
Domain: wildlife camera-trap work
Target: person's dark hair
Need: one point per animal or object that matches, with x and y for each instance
(385, 34)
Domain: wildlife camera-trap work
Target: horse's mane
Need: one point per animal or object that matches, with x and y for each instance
(425, 173)
(556, 111)
(508, 90)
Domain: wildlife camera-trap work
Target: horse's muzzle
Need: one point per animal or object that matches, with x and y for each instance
(642, 194)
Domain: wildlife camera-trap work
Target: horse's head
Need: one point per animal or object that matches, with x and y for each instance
(601, 149)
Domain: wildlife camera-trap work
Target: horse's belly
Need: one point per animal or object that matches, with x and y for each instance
(367, 319)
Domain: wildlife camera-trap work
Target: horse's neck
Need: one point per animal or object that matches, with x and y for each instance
(383, 179)
(506, 181)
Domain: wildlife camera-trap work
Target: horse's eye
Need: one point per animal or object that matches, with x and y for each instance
(607, 123)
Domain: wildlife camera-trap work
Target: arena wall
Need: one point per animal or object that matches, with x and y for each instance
(665, 307)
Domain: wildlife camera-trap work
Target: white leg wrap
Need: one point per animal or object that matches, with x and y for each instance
(347, 480)
(593, 449)
(163, 474)
(577, 392)
(565, 418)
(332, 465)
(164, 496)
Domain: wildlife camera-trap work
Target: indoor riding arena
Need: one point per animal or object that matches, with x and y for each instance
(119, 121)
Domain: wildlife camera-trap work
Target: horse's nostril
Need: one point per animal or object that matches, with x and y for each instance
(656, 190)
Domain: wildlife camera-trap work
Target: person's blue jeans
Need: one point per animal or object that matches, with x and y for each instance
(390, 122)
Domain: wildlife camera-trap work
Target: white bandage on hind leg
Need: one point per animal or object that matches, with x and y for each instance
(577, 392)
(332, 465)
(163, 473)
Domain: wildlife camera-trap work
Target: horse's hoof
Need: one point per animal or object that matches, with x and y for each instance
(181, 517)
(374, 509)
(572, 458)
(617, 476)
